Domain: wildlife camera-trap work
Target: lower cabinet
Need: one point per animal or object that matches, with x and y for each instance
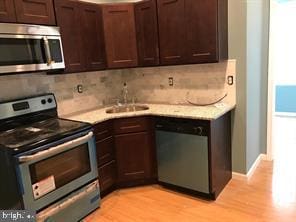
(134, 157)
(107, 177)
(126, 153)
(105, 157)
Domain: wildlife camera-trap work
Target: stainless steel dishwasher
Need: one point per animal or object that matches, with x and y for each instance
(182, 154)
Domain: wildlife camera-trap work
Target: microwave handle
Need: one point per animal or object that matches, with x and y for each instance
(47, 51)
(57, 208)
(55, 150)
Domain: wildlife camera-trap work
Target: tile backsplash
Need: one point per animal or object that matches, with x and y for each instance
(98, 88)
(196, 83)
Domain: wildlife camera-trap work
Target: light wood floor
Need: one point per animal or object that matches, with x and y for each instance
(256, 199)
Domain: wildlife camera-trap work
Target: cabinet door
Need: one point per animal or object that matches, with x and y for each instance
(105, 150)
(35, 11)
(147, 33)
(120, 35)
(7, 11)
(171, 22)
(202, 31)
(107, 177)
(68, 19)
(133, 154)
(93, 37)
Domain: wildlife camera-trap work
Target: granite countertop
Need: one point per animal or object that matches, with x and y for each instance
(179, 111)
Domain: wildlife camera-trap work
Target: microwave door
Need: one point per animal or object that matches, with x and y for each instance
(19, 53)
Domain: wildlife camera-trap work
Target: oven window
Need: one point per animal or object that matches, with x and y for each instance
(21, 51)
(64, 167)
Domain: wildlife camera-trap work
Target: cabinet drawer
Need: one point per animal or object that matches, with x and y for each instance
(131, 125)
(105, 150)
(103, 130)
(107, 176)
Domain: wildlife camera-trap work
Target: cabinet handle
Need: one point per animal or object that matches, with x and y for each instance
(130, 127)
(173, 57)
(201, 54)
(56, 149)
(134, 173)
(102, 132)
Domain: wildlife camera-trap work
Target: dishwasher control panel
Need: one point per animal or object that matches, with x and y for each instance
(186, 126)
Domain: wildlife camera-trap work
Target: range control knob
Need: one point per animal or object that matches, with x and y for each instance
(49, 100)
(43, 101)
(198, 130)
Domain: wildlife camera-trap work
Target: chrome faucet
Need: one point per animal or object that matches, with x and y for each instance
(125, 94)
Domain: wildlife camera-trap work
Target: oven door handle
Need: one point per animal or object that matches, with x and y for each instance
(59, 207)
(56, 149)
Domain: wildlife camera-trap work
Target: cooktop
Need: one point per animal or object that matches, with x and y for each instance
(32, 122)
(37, 133)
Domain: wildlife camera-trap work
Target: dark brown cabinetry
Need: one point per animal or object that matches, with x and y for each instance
(171, 21)
(93, 37)
(220, 153)
(147, 33)
(68, 19)
(205, 36)
(35, 12)
(120, 35)
(27, 11)
(133, 156)
(126, 153)
(107, 177)
(135, 151)
(192, 31)
(82, 35)
(105, 156)
(7, 11)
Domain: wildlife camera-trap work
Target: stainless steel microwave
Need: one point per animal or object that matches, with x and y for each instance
(26, 48)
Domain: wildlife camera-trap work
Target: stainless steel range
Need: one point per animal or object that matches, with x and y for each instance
(47, 164)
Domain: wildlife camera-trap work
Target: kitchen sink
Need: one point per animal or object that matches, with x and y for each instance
(127, 108)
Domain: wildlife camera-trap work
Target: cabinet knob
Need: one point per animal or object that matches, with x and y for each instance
(198, 130)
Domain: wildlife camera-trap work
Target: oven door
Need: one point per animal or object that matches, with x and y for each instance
(23, 53)
(56, 171)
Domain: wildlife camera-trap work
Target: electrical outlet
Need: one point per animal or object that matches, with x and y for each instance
(230, 80)
(79, 88)
(171, 81)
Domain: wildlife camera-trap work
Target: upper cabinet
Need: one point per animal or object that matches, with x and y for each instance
(206, 30)
(82, 35)
(192, 31)
(35, 11)
(68, 19)
(171, 22)
(120, 35)
(130, 34)
(27, 11)
(93, 36)
(7, 11)
(147, 33)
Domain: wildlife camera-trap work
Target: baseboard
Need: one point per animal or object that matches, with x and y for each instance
(251, 170)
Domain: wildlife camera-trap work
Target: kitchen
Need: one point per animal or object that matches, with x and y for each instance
(152, 79)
